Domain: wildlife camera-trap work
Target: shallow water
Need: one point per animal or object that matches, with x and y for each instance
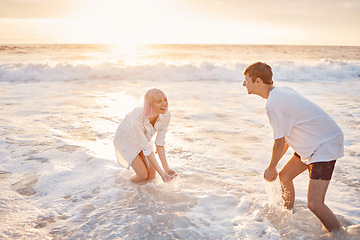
(60, 178)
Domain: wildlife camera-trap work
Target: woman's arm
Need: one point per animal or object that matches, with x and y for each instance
(152, 160)
(162, 155)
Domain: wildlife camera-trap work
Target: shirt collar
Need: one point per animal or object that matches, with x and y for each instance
(148, 124)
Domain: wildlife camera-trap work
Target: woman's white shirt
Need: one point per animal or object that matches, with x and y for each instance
(134, 135)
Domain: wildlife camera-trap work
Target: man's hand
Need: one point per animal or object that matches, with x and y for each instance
(270, 174)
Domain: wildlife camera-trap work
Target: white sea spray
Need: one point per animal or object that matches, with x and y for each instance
(60, 179)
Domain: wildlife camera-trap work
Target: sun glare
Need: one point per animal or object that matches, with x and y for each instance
(128, 49)
(119, 22)
(131, 23)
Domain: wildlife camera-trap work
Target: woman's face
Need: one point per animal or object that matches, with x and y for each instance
(159, 102)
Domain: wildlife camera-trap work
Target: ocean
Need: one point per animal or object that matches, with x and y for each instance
(60, 106)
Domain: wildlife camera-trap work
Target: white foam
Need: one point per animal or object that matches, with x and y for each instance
(60, 178)
(329, 70)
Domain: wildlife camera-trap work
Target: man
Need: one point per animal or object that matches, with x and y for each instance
(315, 137)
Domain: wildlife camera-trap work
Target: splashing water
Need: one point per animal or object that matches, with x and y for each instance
(273, 191)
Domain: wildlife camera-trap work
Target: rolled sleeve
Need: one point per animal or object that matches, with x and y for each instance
(281, 123)
(160, 137)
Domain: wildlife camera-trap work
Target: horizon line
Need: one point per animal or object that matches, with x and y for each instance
(17, 42)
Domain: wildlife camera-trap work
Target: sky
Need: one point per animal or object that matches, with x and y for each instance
(290, 22)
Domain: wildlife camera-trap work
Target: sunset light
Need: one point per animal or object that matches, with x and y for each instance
(179, 22)
(132, 119)
(111, 21)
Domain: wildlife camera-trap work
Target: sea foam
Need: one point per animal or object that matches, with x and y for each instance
(60, 178)
(329, 70)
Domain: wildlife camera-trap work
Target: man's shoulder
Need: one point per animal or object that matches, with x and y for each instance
(275, 94)
(280, 96)
(283, 90)
(281, 93)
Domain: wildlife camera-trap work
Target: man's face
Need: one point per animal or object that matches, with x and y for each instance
(249, 84)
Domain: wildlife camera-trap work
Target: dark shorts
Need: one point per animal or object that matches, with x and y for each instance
(320, 170)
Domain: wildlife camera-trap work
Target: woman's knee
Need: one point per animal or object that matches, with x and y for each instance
(151, 177)
(143, 175)
(151, 173)
(140, 168)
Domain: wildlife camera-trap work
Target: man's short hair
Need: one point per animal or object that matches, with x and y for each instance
(260, 70)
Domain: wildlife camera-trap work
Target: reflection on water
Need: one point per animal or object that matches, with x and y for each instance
(60, 178)
(131, 54)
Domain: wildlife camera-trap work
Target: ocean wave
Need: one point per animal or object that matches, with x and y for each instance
(326, 69)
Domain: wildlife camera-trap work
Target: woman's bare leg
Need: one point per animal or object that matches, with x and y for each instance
(151, 169)
(141, 170)
(152, 172)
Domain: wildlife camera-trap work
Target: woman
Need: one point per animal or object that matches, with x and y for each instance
(132, 138)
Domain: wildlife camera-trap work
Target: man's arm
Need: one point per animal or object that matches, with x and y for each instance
(279, 149)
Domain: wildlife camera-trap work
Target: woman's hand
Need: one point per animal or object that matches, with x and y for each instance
(270, 174)
(167, 178)
(168, 175)
(170, 172)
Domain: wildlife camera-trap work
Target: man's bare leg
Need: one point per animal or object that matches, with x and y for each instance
(286, 175)
(316, 199)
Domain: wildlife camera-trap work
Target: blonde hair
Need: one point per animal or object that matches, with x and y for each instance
(148, 110)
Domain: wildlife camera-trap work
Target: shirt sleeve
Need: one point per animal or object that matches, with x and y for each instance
(160, 137)
(141, 138)
(280, 122)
